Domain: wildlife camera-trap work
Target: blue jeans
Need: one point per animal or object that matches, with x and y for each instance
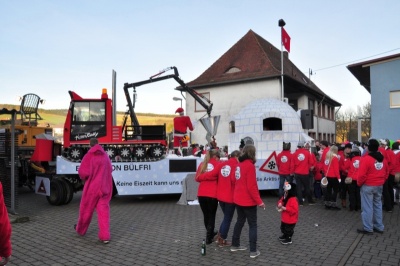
(282, 180)
(243, 213)
(228, 210)
(371, 207)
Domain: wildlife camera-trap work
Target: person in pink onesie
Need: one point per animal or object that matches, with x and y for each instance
(5, 231)
(95, 170)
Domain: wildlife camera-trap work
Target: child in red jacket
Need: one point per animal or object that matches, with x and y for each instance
(288, 206)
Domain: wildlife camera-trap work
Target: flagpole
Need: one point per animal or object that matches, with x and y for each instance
(282, 23)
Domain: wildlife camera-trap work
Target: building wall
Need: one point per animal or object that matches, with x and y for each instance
(384, 120)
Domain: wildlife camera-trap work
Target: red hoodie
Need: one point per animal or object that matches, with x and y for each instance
(317, 171)
(332, 170)
(283, 161)
(392, 161)
(372, 172)
(225, 171)
(397, 157)
(208, 185)
(5, 228)
(301, 162)
(354, 167)
(291, 214)
(246, 189)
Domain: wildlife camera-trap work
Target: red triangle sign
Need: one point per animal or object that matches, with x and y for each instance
(270, 164)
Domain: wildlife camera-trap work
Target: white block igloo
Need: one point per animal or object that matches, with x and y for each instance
(266, 123)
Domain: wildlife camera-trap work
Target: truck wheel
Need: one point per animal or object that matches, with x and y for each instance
(69, 191)
(157, 151)
(57, 193)
(140, 152)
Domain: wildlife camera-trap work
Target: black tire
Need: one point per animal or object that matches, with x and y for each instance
(75, 153)
(125, 153)
(140, 152)
(57, 193)
(69, 191)
(157, 151)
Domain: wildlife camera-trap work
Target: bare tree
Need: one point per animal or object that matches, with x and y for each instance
(366, 122)
(341, 127)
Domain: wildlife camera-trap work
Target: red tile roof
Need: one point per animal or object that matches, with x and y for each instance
(256, 58)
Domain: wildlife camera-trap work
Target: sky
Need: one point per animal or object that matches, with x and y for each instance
(50, 47)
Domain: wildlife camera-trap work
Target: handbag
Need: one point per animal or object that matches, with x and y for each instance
(324, 180)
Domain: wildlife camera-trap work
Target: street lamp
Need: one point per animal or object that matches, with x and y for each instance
(177, 99)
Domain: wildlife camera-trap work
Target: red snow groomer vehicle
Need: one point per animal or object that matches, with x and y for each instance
(89, 118)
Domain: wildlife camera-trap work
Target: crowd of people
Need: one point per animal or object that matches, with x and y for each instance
(349, 175)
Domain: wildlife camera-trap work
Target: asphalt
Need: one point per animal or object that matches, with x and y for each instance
(154, 230)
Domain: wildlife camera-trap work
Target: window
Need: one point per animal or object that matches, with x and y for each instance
(311, 104)
(272, 124)
(394, 99)
(232, 127)
(197, 106)
(88, 120)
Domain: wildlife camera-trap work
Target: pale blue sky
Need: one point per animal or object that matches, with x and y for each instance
(48, 47)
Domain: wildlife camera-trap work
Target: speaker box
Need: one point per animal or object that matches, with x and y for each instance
(307, 119)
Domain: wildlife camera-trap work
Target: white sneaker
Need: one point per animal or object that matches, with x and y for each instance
(254, 254)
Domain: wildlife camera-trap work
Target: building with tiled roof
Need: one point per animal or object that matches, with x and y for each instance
(250, 70)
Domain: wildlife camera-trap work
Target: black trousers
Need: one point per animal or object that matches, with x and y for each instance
(287, 229)
(209, 208)
(354, 196)
(332, 189)
(388, 193)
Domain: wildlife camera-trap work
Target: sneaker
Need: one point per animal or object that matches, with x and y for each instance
(105, 241)
(281, 238)
(237, 248)
(362, 231)
(254, 254)
(286, 242)
(378, 231)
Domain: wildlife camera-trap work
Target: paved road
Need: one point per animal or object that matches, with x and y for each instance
(157, 231)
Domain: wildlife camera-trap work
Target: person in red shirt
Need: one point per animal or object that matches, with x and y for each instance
(246, 197)
(324, 148)
(288, 206)
(225, 172)
(5, 231)
(388, 193)
(181, 124)
(331, 170)
(283, 162)
(344, 165)
(353, 188)
(301, 166)
(207, 192)
(317, 178)
(373, 172)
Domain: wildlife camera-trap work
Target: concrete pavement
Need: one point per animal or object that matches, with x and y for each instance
(157, 231)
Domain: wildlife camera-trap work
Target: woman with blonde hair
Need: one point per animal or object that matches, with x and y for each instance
(331, 170)
(207, 192)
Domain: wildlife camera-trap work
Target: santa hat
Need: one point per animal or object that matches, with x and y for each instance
(179, 110)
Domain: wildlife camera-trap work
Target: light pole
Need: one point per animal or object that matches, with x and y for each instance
(177, 99)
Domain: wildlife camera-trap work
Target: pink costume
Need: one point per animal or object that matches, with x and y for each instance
(5, 229)
(96, 170)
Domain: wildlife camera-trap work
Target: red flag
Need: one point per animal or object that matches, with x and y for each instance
(285, 40)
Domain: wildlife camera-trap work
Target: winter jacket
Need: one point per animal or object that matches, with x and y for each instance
(291, 214)
(246, 189)
(283, 161)
(225, 171)
(301, 162)
(332, 169)
(181, 123)
(317, 171)
(5, 228)
(354, 167)
(96, 171)
(373, 170)
(208, 184)
(392, 161)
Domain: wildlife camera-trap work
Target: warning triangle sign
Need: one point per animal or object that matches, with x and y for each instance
(42, 188)
(270, 164)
